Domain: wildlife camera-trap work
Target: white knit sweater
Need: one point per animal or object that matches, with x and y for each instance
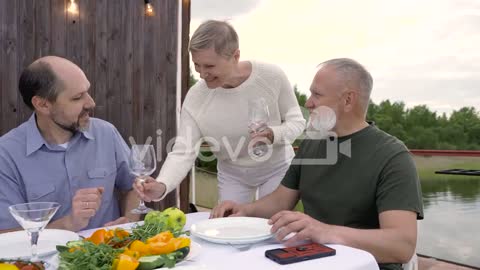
(220, 117)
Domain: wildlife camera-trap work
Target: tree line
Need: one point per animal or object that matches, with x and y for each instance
(421, 128)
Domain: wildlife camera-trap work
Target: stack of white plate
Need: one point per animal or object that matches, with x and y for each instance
(232, 230)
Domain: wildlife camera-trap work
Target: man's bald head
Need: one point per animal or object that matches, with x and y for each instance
(45, 78)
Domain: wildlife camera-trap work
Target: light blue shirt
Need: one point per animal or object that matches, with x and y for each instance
(31, 170)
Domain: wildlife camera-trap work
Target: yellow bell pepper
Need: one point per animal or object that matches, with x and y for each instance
(120, 233)
(142, 248)
(99, 236)
(103, 236)
(182, 242)
(161, 237)
(157, 248)
(132, 253)
(6, 266)
(125, 262)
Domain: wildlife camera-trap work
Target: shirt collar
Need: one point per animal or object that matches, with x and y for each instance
(35, 139)
(87, 134)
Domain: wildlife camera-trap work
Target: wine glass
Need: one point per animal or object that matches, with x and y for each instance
(258, 116)
(33, 217)
(142, 163)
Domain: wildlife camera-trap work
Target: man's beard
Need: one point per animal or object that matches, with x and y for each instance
(320, 123)
(75, 126)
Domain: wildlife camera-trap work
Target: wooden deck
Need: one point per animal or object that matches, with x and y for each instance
(432, 264)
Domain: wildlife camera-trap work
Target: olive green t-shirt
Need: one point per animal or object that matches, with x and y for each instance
(362, 175)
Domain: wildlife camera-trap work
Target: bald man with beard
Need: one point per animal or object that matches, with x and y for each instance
(63, 155)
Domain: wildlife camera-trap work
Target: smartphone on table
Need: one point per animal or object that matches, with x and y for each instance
(299, 253)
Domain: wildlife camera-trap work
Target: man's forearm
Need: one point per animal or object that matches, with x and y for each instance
(281, 199)
(386, 245)
(11, 230)
(64, 223)
(128, 201)
(61, 223)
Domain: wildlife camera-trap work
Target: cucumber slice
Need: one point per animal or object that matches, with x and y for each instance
(75, 243)
(150, 262)
(62, 248)
(158, 261)
(183, 252)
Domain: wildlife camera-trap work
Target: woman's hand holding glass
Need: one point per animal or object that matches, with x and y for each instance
(150, 189)
(260, 133)
(142, 164)
(267, 133)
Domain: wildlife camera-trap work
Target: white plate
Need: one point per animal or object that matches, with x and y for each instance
(233, 230)
(16, 245)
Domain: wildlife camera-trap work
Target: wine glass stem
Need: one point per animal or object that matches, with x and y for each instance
(33, 243)
(141, 205)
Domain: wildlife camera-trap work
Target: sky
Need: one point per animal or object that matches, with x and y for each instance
(418, 52)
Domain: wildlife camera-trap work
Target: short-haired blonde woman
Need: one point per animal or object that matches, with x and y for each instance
(216, 110)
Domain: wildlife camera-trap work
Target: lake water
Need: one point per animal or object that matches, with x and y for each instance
(451, 228)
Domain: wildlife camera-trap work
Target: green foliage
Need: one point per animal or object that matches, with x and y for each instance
(147, 230)
(155, 217)
(191, 79)
(301, 98)
(90, 256)
(208, 162)
(421, 128)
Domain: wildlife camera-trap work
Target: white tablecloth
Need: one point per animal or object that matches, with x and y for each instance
(220, 257)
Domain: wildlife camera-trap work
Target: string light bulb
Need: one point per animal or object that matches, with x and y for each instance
(149, 11)
(72, 7)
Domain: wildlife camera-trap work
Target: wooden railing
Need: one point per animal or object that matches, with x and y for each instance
(454, 153)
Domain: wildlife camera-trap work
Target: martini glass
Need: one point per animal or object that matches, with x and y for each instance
(33, 217)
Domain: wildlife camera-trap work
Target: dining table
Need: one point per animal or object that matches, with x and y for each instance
(214, 256)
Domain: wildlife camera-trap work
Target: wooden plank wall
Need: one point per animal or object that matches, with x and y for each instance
(130, 60)
(185, 185)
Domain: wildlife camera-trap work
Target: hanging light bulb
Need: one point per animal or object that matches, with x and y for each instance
(72, 7)
(149, 11)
